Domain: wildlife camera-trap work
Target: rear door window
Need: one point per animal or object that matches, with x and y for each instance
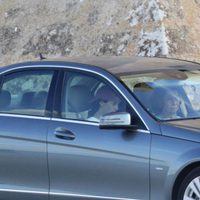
(25, 92)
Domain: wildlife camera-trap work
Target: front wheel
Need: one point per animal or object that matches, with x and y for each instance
(190, 186)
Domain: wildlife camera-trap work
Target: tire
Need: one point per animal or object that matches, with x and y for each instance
(190, 186)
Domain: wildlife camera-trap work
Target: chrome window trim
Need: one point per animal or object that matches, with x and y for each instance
(23, 191)
(90, 123)
(81, 69)
(75, 121)
(143, 131)
(89, 196)
(23, 116)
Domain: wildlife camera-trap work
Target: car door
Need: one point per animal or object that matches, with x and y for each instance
(23, 132)
(86, 162)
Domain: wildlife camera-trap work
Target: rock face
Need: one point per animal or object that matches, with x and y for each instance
(99, 27)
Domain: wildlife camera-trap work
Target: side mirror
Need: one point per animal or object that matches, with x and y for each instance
(116, 121)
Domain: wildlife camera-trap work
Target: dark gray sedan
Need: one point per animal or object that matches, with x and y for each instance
(104, 128)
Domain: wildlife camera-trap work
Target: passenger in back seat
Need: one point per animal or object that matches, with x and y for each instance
(5, 99)
(40, 99)
(27, 100)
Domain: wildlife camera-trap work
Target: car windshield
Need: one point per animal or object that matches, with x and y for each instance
(167, 95)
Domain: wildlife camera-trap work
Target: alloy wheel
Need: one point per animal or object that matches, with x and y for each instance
(192, 191)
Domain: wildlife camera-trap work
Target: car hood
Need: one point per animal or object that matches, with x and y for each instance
(183, 129)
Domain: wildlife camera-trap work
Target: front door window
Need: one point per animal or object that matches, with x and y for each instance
(87, 98)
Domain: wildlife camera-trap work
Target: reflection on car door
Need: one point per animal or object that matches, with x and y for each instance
(23, 132)
(86, 162)
(100, 164)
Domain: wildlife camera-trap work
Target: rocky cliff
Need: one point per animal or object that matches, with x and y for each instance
(99, 27)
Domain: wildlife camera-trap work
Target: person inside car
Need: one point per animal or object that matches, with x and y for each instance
(170, 104)
(104, 102)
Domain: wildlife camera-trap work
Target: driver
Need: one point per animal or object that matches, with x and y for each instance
(104, 102)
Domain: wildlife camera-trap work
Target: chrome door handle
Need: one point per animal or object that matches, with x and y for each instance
(63, 133)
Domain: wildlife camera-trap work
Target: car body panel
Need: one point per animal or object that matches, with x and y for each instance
(169, 156)
(23, 155)
(183, 129)
(92, 165)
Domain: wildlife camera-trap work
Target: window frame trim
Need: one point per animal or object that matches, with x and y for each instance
(67, 67)
(57, 103)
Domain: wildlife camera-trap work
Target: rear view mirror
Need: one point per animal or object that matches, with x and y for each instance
(115, 120)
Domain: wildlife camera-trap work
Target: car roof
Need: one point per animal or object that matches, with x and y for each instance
(120, 65)
(127, 64)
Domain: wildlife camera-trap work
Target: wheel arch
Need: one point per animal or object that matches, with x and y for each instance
(181, 176)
